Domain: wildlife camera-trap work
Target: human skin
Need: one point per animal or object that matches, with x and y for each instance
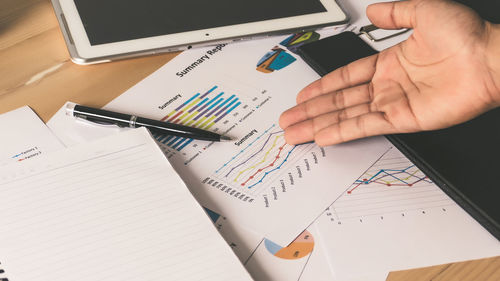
(445, 73)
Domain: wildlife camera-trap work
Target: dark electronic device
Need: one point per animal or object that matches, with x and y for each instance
(464, 160)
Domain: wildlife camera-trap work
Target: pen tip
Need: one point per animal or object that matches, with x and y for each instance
(225, 138)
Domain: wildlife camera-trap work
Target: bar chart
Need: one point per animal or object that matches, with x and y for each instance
(202, 110)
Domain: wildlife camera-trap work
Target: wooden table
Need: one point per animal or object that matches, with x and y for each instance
(35, 70)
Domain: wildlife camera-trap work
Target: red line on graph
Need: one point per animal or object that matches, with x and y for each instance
(350, 191)
(268, 166)
(384, 183)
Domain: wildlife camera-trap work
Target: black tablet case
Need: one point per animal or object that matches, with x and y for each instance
(464, 160)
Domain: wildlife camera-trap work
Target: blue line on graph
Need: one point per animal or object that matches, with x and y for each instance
(386, 172)
(262, 148)
(277, 168)
(243, 150)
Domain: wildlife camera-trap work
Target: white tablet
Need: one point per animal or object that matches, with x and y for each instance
(104, 30)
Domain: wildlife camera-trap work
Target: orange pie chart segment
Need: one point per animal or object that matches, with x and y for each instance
(300, 247)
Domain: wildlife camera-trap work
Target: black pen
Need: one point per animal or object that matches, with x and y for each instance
(101, 116)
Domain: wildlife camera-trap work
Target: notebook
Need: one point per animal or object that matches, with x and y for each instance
(113, 209)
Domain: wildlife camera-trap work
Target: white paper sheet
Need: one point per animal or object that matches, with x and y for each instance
(24, 136)
(302, 260)
(113, 209)
(258, 181)
(394, 218)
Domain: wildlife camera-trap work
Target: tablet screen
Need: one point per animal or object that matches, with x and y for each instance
(119, 20)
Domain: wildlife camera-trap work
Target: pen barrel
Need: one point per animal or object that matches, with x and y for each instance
(101, 116)
(171, 129)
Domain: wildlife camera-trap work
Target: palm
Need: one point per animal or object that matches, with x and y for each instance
(426, 82)
(434, 79)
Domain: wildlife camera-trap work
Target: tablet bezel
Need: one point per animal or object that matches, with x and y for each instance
(82, 52)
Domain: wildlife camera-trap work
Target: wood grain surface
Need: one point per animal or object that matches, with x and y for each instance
(35, 70)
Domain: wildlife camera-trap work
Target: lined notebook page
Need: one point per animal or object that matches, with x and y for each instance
(109, 210)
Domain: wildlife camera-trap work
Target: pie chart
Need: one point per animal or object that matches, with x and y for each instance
(300, 247)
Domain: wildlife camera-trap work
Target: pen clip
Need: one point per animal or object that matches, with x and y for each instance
(96, 123)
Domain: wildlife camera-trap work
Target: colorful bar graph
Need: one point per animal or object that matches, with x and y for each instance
(199, 111)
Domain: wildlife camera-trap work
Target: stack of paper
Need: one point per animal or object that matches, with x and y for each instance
(113, 209)
(266, 198)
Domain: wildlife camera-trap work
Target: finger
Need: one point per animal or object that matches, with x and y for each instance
(306, 130)
(370, 124)
(355, 73)
(393, 15)
(326, 103)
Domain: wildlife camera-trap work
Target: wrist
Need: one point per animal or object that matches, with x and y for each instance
(493, 60)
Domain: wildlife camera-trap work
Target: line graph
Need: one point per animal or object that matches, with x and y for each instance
(247, 147)
(268, 166)
(252, 170)
(391, 185)
(264, 159)
(408, 176)
(261, 162)
(249, 158)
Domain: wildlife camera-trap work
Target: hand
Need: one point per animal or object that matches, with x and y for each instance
(446, 72)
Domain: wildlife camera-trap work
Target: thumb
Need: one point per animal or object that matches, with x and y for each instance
(392, 15)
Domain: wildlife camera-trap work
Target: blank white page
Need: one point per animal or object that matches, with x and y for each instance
(113, 209)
